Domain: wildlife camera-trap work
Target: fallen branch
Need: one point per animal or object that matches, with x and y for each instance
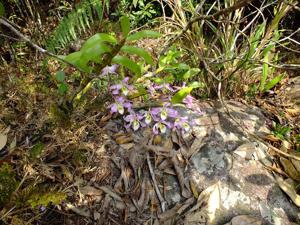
(7, 24)
(162, 201)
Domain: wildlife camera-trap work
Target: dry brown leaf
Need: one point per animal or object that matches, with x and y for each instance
(79, 211)
(288, 187)
(124, 139)
(3, 137)
(66, 172)
(3, 140)
(290, 169)
(271, 137)
(89, 190)
(293, 111)
(13, 145)
(194, 189)
(127, 146)
(157, 140)
(285, 146)
(296, 163)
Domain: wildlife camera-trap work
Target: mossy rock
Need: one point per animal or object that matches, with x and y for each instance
(8, 183)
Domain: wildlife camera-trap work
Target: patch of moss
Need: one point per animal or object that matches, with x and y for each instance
(79, 157)
(36, 150)
(60, 116)
(44, 199)
(8, 183)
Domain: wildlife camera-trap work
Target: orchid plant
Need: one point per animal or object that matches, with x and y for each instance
(162, 118)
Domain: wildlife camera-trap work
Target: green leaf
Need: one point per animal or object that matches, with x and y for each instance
(265, 71)
(73, 58)
(2, 9)
(60, 76)
(135, 3)
(180, 95)
(125, 25)
(94, 52)
(36, 150)
(98, 38)
(254, 39)
(77, 59)
(143, 34)
(196, 84)
(62, 88)
(273, 82)
(190, 73)
(126, 62)
(138, 51)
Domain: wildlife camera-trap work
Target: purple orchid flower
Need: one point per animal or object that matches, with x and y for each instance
(151, 115)
(164, 86)
(110, 70)
(134, 120)
(161, 127)
(191, 103)
(151, 90)
(167, 111)
(182, 124)
(124, 87)
(120, 105)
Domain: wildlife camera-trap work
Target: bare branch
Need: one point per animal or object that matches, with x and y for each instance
(7, 24)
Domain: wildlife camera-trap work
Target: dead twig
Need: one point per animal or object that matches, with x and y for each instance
(8, 24)
(162, 201)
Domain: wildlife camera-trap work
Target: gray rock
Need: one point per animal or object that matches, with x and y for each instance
(237, 184)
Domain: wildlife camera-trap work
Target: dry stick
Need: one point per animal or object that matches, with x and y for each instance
(27, 40)
(162, 201)
(225, 11)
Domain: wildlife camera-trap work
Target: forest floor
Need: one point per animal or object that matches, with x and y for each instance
(78, 166)
(56, 171)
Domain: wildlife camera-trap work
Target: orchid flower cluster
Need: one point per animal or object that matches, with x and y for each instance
(160, 118)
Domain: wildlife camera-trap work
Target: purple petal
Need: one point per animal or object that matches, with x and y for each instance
(168, 124)
(114, 108)
(127, 105)
(172, 112)
(125, 80)
(155, 111)
(155, 128)
(168, 86)
(113, 68)
(120, 99)
(115, 92)
(116, 86)
(129, 118)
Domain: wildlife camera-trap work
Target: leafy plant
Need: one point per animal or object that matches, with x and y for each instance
(75, 23)
(230, 51)
(140, 11)
(102, 49)
(282, 132)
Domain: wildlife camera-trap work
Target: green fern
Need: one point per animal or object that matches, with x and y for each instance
(75, 23)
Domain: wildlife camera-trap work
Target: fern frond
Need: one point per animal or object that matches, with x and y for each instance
(75, 23)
